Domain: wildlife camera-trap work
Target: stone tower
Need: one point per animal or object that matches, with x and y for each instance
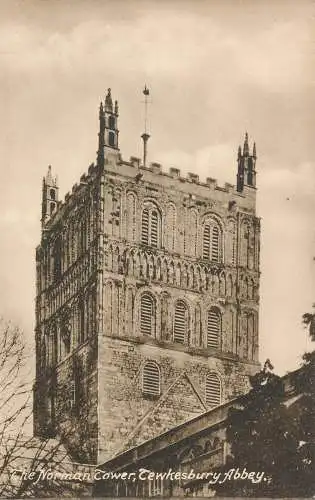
(147, 299)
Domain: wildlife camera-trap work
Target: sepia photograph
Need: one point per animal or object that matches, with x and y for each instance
(157, 250)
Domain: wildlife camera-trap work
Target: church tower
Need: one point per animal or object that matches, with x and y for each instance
(147, 298)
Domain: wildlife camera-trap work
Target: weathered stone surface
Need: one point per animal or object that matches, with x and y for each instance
(123, 232)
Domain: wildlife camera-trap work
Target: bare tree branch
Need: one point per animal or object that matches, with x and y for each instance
(18, 450)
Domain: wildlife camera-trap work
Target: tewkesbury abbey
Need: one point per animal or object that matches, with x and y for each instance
(147, 298)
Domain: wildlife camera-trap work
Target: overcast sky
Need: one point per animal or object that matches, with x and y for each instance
(215, 70)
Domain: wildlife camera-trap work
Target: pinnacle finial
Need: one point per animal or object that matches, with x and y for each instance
(108, 101)
(101, 112)
(245, 147)
(254, 151)
(239, 153)
(49, 179)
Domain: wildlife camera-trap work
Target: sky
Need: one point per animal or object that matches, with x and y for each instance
(215, 69)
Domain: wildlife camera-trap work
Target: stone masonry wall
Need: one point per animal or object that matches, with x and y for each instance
(127, 417)
(173, 270)
(93, 267)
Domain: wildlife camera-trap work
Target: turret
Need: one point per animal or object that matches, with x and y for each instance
(49, 196)
(108, 131)
(246, 172)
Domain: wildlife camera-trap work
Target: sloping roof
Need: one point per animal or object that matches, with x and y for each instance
(189, 429)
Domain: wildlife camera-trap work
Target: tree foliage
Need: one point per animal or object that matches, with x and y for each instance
(273, 432)
(309, 321)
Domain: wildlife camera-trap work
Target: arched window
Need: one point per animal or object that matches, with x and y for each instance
(215, 244)
(52, 207)
(53, 346)
(154, 228)
(213, 390)
(150, 227)
(73, 243)
(245, 288)
(232, 242)
(245, 240)
(229, 286)
(250, 172)
(57, 258)
(193, 231)
(111, 122)
(206, 242)
(145, 226)
(180, 322)
(65, 333)
(214, 328)
(151, 379)
(111, 139)
(171, 227)
(131, 216)
(52, 194)
(82, 236)
(212, 242)
(250, 330)
(250, 289)
(147, 315)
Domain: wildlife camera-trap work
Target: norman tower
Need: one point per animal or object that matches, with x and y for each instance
(147, 298)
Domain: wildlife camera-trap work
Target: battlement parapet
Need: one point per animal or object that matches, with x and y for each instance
(193, 177)
(228, 187)
(156, 168)
(135, 162)
(197, 187)
(212, 183)
(192, 180)
(174, 172)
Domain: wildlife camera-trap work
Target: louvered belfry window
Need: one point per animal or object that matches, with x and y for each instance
(154, 228)
(206, 242)
(145, 226)
(180, 322)
(147, 323)
(213, 328)
(150, 230)
(213, 390)
(215, 244)
(151, 379)
(212, 242)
